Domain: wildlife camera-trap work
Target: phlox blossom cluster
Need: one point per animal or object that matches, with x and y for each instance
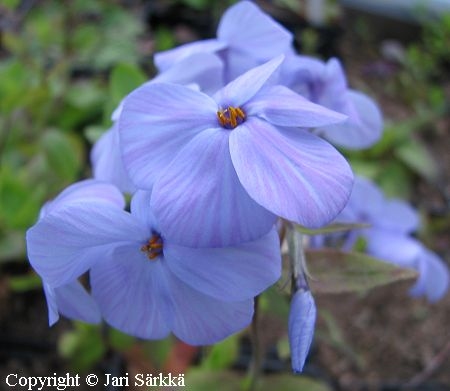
(232, 134)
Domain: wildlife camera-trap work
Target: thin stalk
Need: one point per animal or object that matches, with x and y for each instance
(255, 367)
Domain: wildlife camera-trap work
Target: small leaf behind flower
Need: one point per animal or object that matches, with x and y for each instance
(332, 228)
(334, 271)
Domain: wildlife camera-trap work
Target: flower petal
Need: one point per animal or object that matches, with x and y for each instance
(166, 59)
(300, 178)
(157, 120)
(243, 88)
(198, 201)
(72, 301)
(281, 106)
(245, 27)
(107, 163)
(140, 209)
(228, 273)
(204, 69)
(66, 243)
(434, 278)
(127, 289)
(392, 247)
(363, 127)
(302, 319)
(399, 216)
(199, 319)
(89, 190)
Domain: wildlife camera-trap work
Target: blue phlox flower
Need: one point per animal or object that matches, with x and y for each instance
(71, 299)
(392, 222)
(434, 276)
(246, 37)
(302, 319)
(233, 161)
(203, 70)
(326, 84)
(146, 284)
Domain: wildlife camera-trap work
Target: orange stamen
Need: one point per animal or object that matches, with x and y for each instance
(231, 117)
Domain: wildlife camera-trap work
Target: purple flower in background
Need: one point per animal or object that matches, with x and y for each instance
(222, 167)
(302, 319)
(146, 284)
(388, 238)
(326, 84)
(106, 158)
(246, 37)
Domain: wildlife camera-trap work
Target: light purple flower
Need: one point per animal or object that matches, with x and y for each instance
(326, 84)
(392, 221)
(203, 70)
(302, 319)
(146, 284)
(71, 299)
(222, 167)
(246, 37)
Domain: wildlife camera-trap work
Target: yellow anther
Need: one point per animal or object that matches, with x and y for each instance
(231, 117)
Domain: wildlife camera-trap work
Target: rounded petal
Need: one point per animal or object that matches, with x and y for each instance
(245, 27)
(199, 201)
(243, 88)
(72, 301)
(300, 178)
(166, 59)
(140, 209)
(85, 192)
(366, 201)
(281, 106)
(204, 69)
(127, 288)
(107, 163)
(399, 216)
(228, 273)
(363, 127)
(302, 319)
(434, 277)
(392, 247)
(157, 120)
(199, 319)
(66, 243)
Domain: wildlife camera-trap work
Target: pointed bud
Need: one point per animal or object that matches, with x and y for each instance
(302, 318)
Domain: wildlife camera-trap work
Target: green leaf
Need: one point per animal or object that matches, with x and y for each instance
(124, 79)
(334, 271)
(222, 354)
(10, 4)
(83, 346)
(395, 180)
(64, 153)
(19, 204)
(415, 155)
(25, 283)
(332, 228)
(12, 246)
(201, 380)
(119, 340)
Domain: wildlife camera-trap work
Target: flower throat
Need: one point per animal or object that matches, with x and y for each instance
(154, 247)
(231, 117)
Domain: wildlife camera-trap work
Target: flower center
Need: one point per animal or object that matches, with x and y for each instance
(231, 117)
(154, 247)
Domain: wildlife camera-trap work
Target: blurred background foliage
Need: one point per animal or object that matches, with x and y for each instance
(65, 66)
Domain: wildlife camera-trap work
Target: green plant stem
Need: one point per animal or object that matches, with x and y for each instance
(255, 368)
